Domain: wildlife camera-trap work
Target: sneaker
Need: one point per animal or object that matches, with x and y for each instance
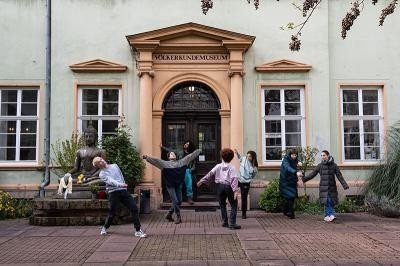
(332, 217)
(225, 225)
(169, 217)
(140, 233)
(327, 219)
(178, 220)
(190, 201)
(103, 231)
(234, 226)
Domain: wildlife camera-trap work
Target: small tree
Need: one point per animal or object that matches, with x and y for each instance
(64, 153)
(121, 151)
(306, 157)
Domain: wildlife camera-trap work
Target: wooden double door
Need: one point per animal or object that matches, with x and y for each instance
(203, 128)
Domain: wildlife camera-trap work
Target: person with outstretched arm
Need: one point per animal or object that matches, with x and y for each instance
(173, 171)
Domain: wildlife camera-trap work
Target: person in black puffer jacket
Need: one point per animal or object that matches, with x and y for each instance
(328, 194)
(288, 182)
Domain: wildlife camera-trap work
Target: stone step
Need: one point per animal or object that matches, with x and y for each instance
(49, 211)
(197, 206)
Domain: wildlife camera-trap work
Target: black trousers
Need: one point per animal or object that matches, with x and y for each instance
(125, 198)
(244, 191)
(288, 206)
(225, 192)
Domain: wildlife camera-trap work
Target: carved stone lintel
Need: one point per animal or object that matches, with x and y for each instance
(231, 73)
(148, 72)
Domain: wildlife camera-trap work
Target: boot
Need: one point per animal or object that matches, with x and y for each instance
(178, 220)
(169, 217)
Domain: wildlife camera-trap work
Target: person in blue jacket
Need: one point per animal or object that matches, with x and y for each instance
(288, 182)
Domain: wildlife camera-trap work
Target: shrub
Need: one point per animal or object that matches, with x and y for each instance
(14, 208)
(349, 205)
(304, 205)
(382, 205)
(270, 199)
(121, 151)
(64, 152)
(383, 187)
(6, 208)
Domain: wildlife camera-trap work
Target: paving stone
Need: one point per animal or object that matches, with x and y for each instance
(117, 246)
(273, 254)
(187, 263)
(244, 235)
(48, 249)
(146, 263)
(272, 263)
(248, 245)
(355, 262)
(229, 262)
(108, 256)
(188, 247)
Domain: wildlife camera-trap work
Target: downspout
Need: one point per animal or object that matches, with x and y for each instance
(46, 180)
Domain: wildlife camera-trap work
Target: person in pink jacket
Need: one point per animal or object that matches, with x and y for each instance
(225, 177)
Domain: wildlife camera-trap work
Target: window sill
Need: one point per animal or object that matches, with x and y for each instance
(21, 166)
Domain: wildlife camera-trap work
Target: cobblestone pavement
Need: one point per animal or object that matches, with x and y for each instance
(265, 239)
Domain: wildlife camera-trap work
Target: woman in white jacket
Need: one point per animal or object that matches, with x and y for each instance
(248, 170)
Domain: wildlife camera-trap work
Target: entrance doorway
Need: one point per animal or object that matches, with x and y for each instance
(191, 113)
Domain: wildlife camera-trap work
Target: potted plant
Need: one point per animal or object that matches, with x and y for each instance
(94, 188)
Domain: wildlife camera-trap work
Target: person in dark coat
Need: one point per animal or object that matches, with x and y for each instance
(288, 182)
(328, 194)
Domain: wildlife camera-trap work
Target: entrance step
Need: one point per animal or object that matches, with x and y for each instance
(197, 206)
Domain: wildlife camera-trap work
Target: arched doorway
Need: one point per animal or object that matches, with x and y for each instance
(191, 112)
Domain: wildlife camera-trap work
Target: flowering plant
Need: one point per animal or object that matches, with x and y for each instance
(6, 208)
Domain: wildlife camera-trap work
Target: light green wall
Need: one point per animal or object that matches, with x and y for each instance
(85, 29)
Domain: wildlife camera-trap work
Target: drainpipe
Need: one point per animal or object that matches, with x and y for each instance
(46, 180)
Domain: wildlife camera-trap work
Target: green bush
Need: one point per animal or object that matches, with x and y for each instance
(64, 153)
(14, 208)
(349, 205)
(270, 199)
(121, 151)
(305, 205)
(383, 187)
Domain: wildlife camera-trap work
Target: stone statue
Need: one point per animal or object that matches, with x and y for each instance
(84, 172)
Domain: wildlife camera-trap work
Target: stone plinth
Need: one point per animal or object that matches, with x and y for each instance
(51, 211)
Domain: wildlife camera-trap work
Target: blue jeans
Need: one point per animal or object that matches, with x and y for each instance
(175, 193)
(329, 207)
(188, 183)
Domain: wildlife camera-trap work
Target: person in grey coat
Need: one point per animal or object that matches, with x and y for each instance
(173, 173)
(328, 194)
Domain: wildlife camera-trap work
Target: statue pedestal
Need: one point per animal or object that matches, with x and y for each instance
(79, 192)
(78, 209)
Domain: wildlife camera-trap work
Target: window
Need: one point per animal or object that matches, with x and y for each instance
(18, 124)
(102, 105)
(362, 123)
(282, 121)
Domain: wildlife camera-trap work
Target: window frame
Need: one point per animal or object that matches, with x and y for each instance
(19, 118)
(99, 117)
(282, 117)
(360, 118)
